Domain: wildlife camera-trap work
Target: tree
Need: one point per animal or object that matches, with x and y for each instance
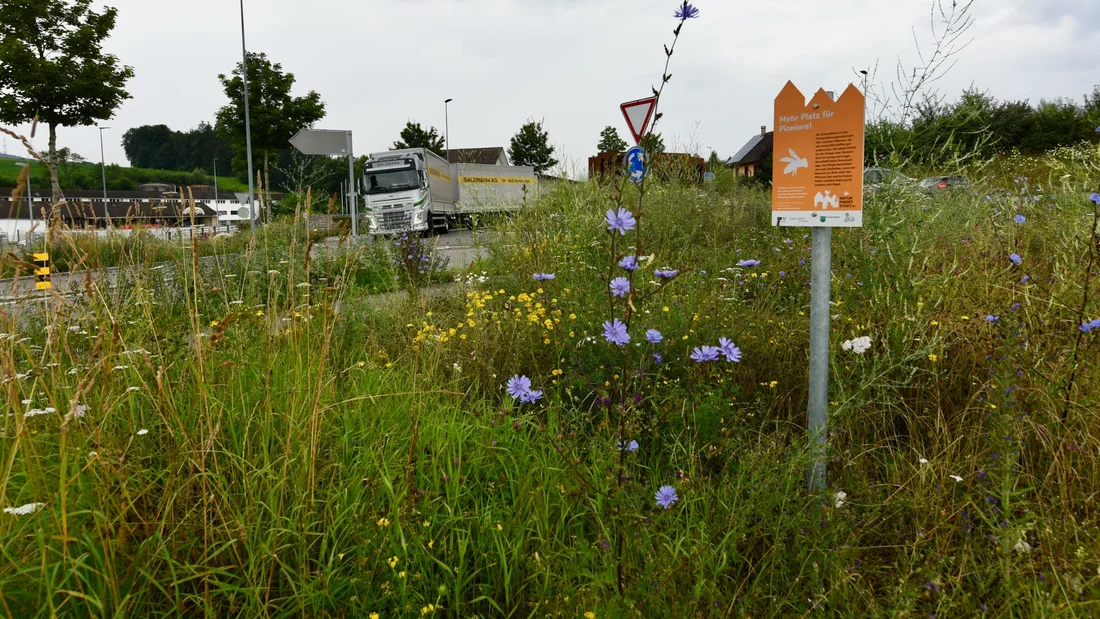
(610, 142)
(531, 147)
(52, 67)
(275, 115)
(652, 143)
(413, 136)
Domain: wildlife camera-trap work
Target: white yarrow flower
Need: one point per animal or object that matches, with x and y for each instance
(34, 412)
(956, 478)
(132, 389)
(24, 510)
(121, 367)
(1022, 546)
(858, 345)
(838, 499)
(923, 461)
(142, 432)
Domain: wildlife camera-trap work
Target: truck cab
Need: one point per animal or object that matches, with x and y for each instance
(407, 190)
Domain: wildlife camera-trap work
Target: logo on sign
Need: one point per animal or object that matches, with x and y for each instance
(635, 164)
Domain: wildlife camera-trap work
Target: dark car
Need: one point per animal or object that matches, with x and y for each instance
(936, 184)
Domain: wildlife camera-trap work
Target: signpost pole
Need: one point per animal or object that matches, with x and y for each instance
(352, 200)
(820, 284)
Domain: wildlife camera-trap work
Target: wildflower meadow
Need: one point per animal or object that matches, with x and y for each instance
(605, 416)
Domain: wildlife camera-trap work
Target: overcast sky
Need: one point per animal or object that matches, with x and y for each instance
(379, 63)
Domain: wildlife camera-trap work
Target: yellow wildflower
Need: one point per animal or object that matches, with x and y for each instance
(383, 522)
(392, 561)
(933, 358)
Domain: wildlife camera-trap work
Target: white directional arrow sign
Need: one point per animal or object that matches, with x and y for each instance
(332, 142)
(638, 114)
(322, 142)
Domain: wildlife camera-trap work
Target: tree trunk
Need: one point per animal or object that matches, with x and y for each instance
(55, 186)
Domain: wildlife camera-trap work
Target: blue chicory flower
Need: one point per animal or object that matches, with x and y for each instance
(542, 277)
(620, 287)
(748, 263)
(782, 274)
(657, 357)
(654, 336)
(614, 331)
(686, 11)
(666, 273)
(518, 386)
(992, 318)
(620, 221)
(666, 496)
(702, 354)
(1090, 325)
(1019, 219)
(729, 350)
(1095, 198)
(1015, 258)
(530, 397)
(631, 446)
(630, 263)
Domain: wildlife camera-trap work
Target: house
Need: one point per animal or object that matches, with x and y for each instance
(682, 165)
(493, 155)
(748, 160)
(87, 209)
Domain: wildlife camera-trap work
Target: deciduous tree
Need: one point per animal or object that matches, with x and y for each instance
(52, 67)
(414, 136)
(531, 147)
(610, 142)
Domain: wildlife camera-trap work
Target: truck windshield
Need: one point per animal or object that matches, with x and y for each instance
(392, 180)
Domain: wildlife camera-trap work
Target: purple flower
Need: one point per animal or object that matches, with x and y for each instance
(530, 397)
(1090, 325)
(542, 277)
(729, 350)
(666, 273)
(631, 446)
(686, 11)
(657, 357)
(1025, 279)
(620, 286)
(666, 496)
(782, 274)
(992, 319)
(519, 386)
(702, 354)
(654, 336)
(615, 332)
(751, 262)
(620, 221)
(630, 263)
(1015, 258)
(1019, 219)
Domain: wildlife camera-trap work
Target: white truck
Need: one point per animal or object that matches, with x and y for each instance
(415, 189)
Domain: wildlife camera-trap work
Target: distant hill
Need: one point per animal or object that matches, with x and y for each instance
(88, 176)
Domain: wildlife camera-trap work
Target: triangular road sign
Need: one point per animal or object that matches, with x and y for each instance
(638, 114)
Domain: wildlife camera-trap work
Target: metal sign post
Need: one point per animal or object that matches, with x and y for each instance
(332, 142)
(818, 183)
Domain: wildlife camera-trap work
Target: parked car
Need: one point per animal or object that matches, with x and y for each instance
(877, 178)
(935, 184)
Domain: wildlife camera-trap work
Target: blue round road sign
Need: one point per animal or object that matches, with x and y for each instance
(634, 161)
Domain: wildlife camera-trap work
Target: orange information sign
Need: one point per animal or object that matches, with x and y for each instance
(817, 172)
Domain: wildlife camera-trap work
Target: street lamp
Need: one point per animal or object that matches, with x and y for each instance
(447, 127)
(247, 122)
(103, 167)
(215, 182)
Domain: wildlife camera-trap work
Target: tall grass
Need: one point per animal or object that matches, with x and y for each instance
(314, 451)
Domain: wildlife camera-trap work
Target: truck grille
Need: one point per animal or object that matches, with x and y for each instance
(394, 221)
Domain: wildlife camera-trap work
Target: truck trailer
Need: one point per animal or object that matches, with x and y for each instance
(414, 189)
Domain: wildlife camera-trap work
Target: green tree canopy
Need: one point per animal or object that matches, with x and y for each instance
(531, 147)
(52, 67)
(275, 114)
(157, 146)
(414, 136)
(610, 142)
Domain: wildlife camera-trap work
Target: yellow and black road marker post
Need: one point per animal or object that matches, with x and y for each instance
(42, 272)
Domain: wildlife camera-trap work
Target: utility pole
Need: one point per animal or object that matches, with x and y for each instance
(247, 122)
(103, 168)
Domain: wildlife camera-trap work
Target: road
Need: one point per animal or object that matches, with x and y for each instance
(460, 247)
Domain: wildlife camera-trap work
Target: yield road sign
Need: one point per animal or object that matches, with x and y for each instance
(638, 114)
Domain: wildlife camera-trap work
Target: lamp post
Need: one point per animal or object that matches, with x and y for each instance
(215, 182)
(103, 168)
(247, 123)
(447, 127)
